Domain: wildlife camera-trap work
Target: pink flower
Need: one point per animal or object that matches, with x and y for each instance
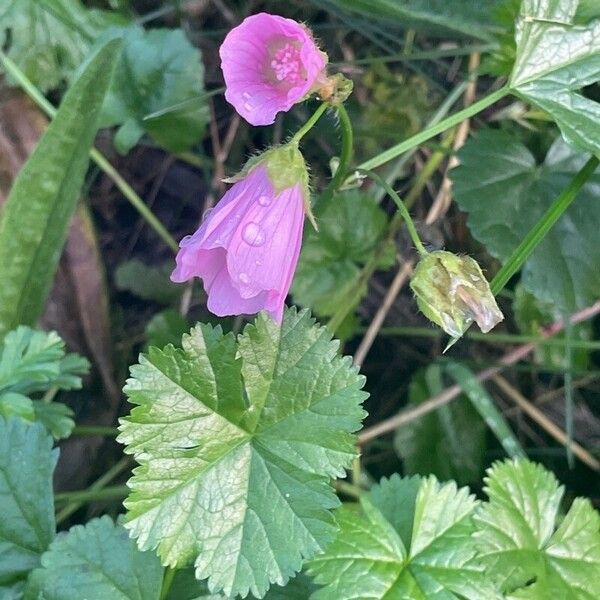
(269, 63)
(247, 247)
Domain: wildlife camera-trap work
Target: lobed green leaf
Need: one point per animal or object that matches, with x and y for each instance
(237, 442)
(523, 544)
(96, 561)
(506, 192)
(557, 57)
(27, 526)
(412, 539)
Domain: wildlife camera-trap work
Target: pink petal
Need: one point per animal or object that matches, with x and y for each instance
(246, 55)
(247, 248)
(262, 252)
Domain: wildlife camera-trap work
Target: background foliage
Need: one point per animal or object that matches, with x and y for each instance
(258, 461)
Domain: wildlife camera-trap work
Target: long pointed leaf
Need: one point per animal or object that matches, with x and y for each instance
(39, 208)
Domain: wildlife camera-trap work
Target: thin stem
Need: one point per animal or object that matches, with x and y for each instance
(452, 392)
(95, 155)
(346, 153)
(80, 496)
(349, 489)
(134, 199)
(397, 168)
(168, 577)
(543, 226)
(96, 487)
(420, 55)
(95, 430)
(427, 134)
(412, 230)
(490, 338)
(309, 124)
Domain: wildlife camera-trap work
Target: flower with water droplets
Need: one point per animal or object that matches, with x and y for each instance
(452, 291)
(269, 64)
(247, 247)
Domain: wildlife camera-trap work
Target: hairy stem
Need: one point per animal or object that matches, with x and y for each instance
(346, 153)
(309, 124)
(412, 230)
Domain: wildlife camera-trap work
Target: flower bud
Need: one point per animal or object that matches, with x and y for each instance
(452, 292)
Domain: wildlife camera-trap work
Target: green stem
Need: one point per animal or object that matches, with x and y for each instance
(543, 226)
(96, 156)
(95, 430)
(427, 134)
(412, 230)
(309, 124)
(345, 156)
(107, 493)
(396, 169)
(97, 487)
(167, 582)
(422, 55)
(490, 338)
(134, 199)
(348, 488)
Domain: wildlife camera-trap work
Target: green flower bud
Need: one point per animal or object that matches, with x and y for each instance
(452, 292)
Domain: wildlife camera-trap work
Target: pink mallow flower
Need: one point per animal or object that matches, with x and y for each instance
(269, 64)
(247, 247)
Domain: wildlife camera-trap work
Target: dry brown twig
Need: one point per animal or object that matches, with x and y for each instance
(509, 359)
(402, 276)
(444, 196)
(545, 423)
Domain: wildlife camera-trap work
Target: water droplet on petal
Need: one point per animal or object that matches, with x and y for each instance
(253, 234)
(248, 106)
(243, 277)
(257, 263)
(264, 200)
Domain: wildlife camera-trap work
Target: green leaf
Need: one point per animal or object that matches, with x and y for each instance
(350, 228)
(484, 405)
(524, 547)
(16, 405)
(44, 195)
(166, 327)
(404, 546)
(12, 592)
(158, 70)
(237, 442)
(463, 17)
(555, 60)
(148, 282)
(531, 316)
(185, 586)
(34, 361)
(97, 561)
(505, 193)
(48, 39)
(449, 442)
(27, 462)
(56, 417)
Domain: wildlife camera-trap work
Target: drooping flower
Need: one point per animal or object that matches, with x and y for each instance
(452, 292)
(247, 247)
(269, 64)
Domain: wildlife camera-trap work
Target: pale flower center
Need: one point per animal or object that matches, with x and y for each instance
(285, 68)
